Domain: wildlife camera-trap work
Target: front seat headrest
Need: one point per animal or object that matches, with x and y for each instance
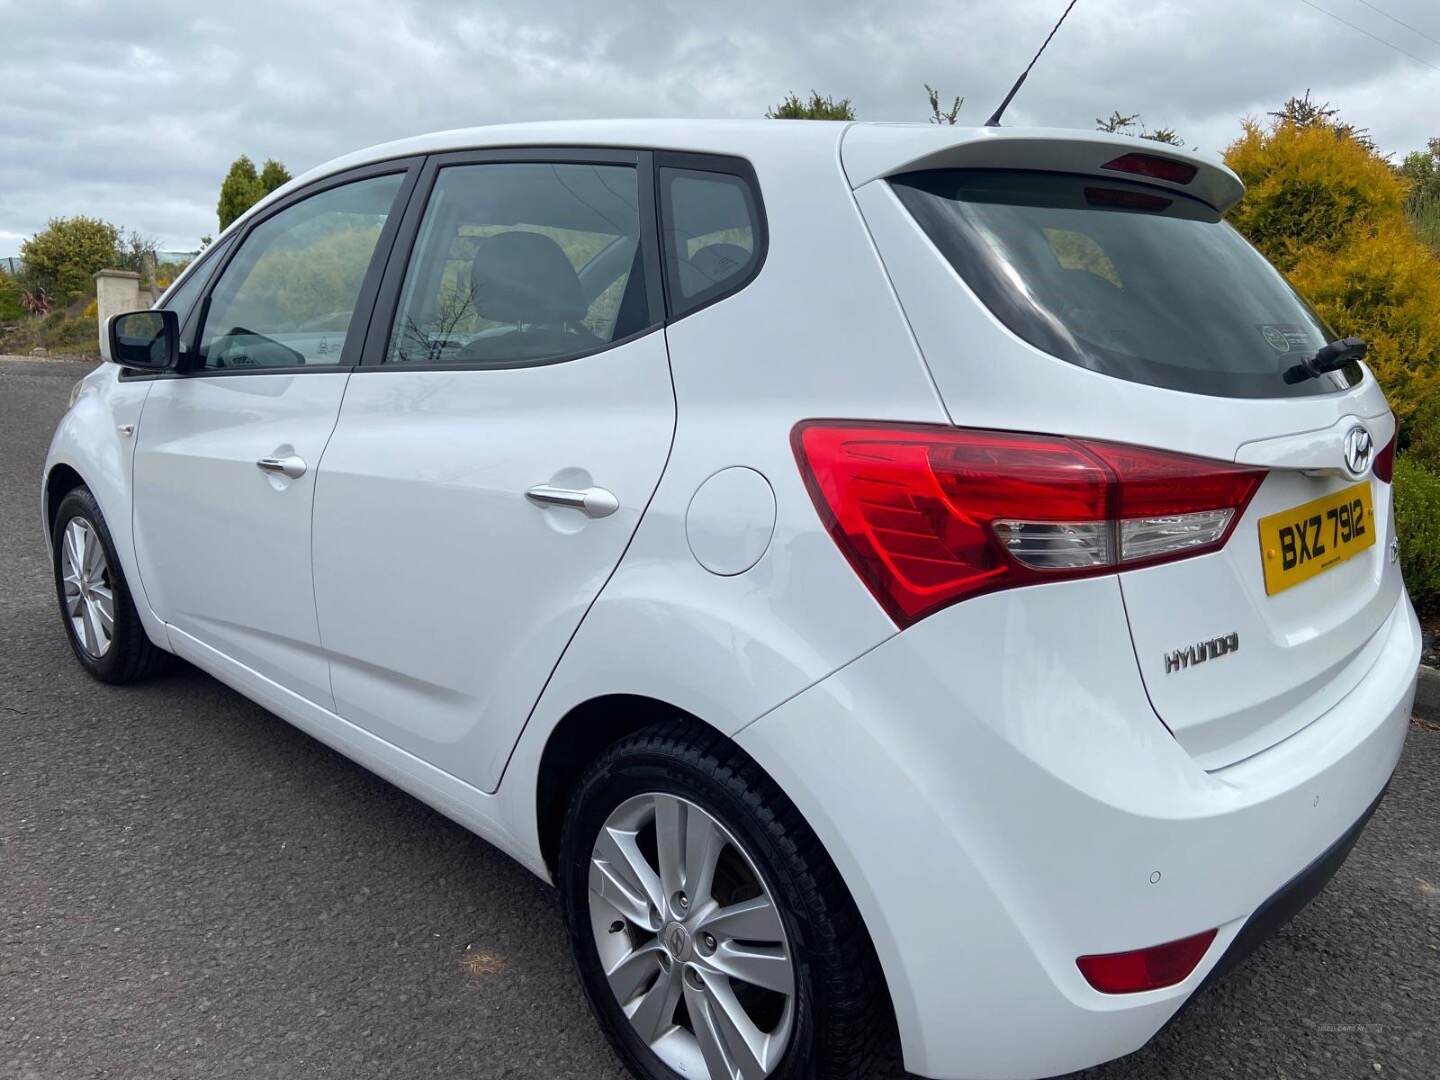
(524, 277)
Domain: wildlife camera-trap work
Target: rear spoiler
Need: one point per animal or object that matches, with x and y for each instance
(872, 151)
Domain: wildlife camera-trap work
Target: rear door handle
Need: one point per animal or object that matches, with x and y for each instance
(292, 466)
(596, 502)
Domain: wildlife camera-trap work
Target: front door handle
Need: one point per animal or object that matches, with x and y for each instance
(292, 466)
(596, 502)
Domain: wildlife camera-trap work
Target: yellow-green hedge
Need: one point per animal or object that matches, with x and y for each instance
(1306, 188)
(1417, 521)
(1384, 286)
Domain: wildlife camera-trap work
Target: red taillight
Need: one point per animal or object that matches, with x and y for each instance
(1145, 969)
(1154, 166)
(1384, 466)
(932, 515)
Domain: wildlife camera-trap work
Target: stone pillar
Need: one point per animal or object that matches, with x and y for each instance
(116, 291)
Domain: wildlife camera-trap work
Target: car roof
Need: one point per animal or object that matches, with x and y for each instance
(864, 150)
(691, 136)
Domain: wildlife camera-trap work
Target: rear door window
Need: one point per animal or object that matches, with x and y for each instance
(523, 263)
(1126, 279)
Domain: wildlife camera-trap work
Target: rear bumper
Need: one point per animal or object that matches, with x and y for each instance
(1292, 898)
(1000, 798)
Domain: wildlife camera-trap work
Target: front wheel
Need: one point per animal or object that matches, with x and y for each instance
(713, 936)
(100, 618)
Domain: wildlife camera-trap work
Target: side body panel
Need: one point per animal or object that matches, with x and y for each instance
(817, 333)
(445, 596)
(224, 548)
(96, 438)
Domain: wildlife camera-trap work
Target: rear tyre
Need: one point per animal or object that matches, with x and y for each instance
(95, 605)
(712, 934)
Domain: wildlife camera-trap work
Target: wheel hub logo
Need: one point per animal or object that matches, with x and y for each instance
(676, 939)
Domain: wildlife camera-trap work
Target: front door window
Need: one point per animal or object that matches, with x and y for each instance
(287, 298)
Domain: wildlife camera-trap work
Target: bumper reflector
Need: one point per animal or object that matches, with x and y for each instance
(1154, 968)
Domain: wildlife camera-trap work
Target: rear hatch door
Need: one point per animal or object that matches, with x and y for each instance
(1071, 297)
(1244, 647)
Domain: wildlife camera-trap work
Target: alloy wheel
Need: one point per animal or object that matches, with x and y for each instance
(691, 940)
(89, 595)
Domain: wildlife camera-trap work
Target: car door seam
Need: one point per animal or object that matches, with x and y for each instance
(134, 537)
(615, 569)
(314, 496)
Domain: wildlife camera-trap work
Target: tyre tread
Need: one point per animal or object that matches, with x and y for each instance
(133, 655)
(854, 1021)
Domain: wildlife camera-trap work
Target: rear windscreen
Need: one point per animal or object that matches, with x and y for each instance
(1126, 279)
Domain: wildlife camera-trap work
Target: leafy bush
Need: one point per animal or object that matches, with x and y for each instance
(73, 333)
(167, 272)
(1121, 124)
(1384, 286)
(62, 259)
(1423, 444)
(1307, 188)
(817, 108)
(1303, 111)
(273, 175)
(1422, 169)
(1424, 213)
(1417, 520)
(239, 191)
(59, 331)
(243, 187)
(134, 252)
(10, 293)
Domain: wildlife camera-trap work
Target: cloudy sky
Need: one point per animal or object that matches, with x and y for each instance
(133, 111)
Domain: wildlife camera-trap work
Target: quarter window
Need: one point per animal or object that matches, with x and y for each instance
(711, 236)
(288, 296)
(523, 262)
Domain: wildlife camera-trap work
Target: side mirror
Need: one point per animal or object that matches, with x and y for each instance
(145, 340)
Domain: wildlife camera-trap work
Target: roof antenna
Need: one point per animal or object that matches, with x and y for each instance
(994, 121)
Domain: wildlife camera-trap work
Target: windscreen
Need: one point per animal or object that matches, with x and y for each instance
(1126, 279)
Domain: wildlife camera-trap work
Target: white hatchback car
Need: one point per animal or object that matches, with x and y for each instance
(904, 585)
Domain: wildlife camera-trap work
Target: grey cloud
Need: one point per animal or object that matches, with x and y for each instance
(133, 111)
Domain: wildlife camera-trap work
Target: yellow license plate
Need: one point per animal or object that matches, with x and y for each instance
(1306, 540)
